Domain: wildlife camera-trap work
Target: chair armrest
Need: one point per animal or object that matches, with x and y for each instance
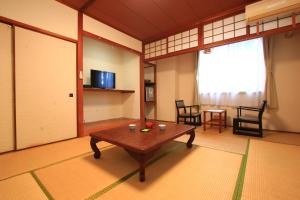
(240, 108)
(248, 108)
(196, 106)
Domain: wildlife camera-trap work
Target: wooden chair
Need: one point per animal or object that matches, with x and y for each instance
(192, 113)
(237, 122)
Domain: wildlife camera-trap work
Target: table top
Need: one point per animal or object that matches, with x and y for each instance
(215, 110)
(142, 142)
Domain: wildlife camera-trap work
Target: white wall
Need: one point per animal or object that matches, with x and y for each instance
(286, 73)
(7, 135)
(175, 80)
(49, 15)
(106, 105)
(93, 26)
(131, 81)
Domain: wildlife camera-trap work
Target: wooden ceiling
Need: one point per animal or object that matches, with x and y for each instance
(148, 20)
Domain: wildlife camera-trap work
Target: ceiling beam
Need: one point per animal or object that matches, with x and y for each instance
(86, 5)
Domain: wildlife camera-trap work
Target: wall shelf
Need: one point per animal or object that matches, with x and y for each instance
(107, 90)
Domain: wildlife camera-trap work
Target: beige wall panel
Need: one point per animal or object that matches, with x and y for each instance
(149, 73)
(175, 80)
(186, 77)
(102, 105)
(93, 26)
(286, 73)
(166, 89)
(131, 81)
(6, 88)
(45, 75)
(46, 14)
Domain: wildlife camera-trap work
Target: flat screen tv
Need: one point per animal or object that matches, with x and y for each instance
(102, 79)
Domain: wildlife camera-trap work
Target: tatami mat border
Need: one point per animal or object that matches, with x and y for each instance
(220, 149)
(41, 185)
(240, 179)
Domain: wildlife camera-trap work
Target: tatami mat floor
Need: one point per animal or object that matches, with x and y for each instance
(219, 166)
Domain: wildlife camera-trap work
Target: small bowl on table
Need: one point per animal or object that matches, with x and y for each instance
(132, 126)
(162, 127)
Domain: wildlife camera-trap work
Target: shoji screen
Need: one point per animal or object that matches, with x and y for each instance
(45, 89)
(6, 88)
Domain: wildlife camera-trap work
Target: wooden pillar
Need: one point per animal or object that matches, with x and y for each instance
(79, 76)
(142, 88)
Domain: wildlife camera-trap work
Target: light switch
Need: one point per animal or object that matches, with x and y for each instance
(80, 75)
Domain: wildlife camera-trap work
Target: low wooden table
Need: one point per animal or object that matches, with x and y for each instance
(141, 145)
(220, 120)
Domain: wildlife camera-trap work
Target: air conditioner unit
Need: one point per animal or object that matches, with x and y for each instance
(265, 9)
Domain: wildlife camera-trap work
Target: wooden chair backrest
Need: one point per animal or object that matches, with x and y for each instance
(262, 108)
(179, 105)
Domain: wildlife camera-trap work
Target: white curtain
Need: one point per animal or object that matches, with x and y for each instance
(271, 92)
(232, 74)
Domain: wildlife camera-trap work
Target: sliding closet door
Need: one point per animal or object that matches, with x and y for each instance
(6, 88)
(45, 89)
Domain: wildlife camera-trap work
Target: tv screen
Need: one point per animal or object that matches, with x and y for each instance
(102, 79)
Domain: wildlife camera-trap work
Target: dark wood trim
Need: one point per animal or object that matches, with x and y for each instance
(248, 30)
(99, 38)
(167, 46)
(35, 29)
(86, 5)
(13, 29)
(293, 20)
(107, 90)
(176, 53)
(257, 28)
(79, 74)
(63, 2)
(155, 92)
(142, 89)
(200, 36)
(39, 145)
(149, 64)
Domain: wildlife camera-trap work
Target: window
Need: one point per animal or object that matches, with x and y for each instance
(232, 74)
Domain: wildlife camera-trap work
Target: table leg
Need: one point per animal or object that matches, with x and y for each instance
(142, 160)
(142, 172)
(204, 121)
(225, 119)
(211, 118)
(191, 139)
(93, 143)
(220, 122)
